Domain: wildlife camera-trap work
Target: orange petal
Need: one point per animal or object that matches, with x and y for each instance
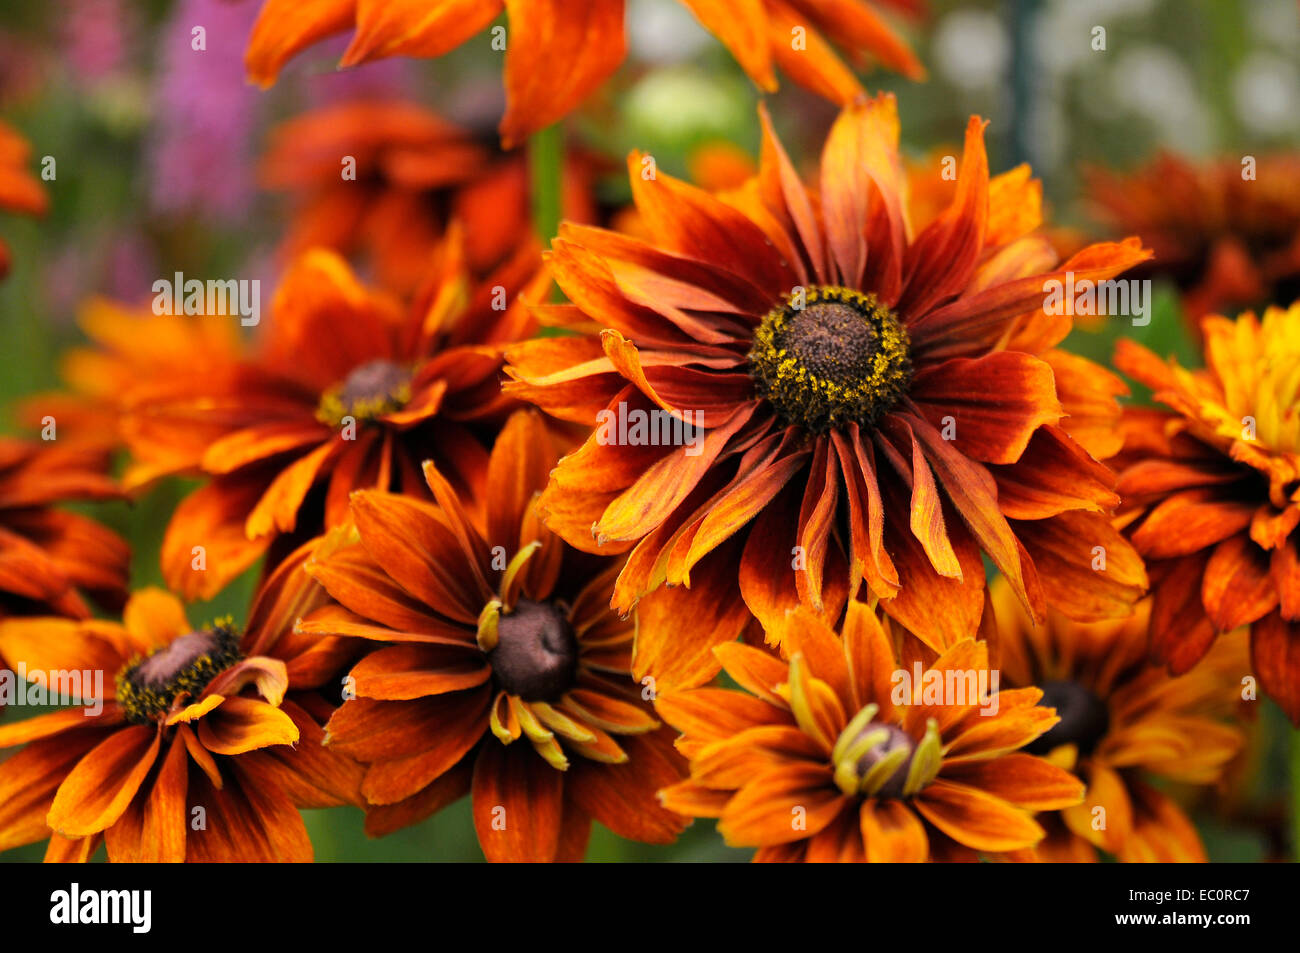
(99, 788)
(997, 402)
(788, 803)
(623, 796)
(518, 805)
(1275, 656)
(892, 833)
(245, 724)
(1020, 779)
(413, 671)
(286, 27)
(975, 818)
(1237, 587)
(587, 38)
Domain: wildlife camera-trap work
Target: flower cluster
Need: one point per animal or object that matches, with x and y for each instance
(875, 566)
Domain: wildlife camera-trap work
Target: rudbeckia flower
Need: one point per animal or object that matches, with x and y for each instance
(873, 406)
(130, 347)
(19, 189)
(1124, 722)
(413, 173)
(181, 755)
(832, 756)
(1211, 499)
(346, 390)
(558, 51)
(1228, 235)
(499, 669)
(50, 557)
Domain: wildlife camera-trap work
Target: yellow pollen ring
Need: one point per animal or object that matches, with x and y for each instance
(831, 356)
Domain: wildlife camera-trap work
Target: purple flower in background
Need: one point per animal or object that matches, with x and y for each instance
(389, 78)
(97, 36)
(120, 266)
(205, 116)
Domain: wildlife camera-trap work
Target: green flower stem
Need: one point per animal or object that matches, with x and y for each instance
(546, 180)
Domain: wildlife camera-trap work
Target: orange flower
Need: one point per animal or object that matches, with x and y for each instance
(48, 557)
(347, 390)
(413, 173)
(133, 347)
(1226, 240)
(876, 406)
(830, 756)
(1124, 721)
(183, 720)
(1210, 495)
(515, 688)
(559, 51)
(19, 189)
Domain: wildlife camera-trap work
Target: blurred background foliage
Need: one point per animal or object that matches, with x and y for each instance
(156, 148)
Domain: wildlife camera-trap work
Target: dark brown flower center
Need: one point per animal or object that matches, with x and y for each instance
(536, 655)
(1084, 718)
(830, 357)
(148, 687)
(374, 388)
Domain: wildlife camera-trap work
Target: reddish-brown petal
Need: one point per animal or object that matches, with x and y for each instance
(691, 222)
(1088, 570)
(96, 792)
(286, 27)
(518, 804)
(1020, 779)
(417, 548)
(1188, 521)
(942, 259)
(245, 724)
(588, 39)
(996, 402)
(786, 803)
(403, 672)
(976, 819)
(741, 26)
(29, 781)
(1275, 657)
(680, 656)
(623, 796)
(1053, 475)
(1237, 587)
(1181, 632)
(205, 546)
(892, 833)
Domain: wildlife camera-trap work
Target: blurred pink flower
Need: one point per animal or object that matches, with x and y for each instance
(205, 115)
(96, 37)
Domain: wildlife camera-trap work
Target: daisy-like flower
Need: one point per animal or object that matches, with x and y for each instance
(1211, 491)
(875, 405)
(346, 390)
(130, 347)
(414, 172)
(1228, 235)
(832, 756)
(49, 557)
(500, 669)
(587, 38)
(19, 189)
(185, 720)
(1124, 721)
